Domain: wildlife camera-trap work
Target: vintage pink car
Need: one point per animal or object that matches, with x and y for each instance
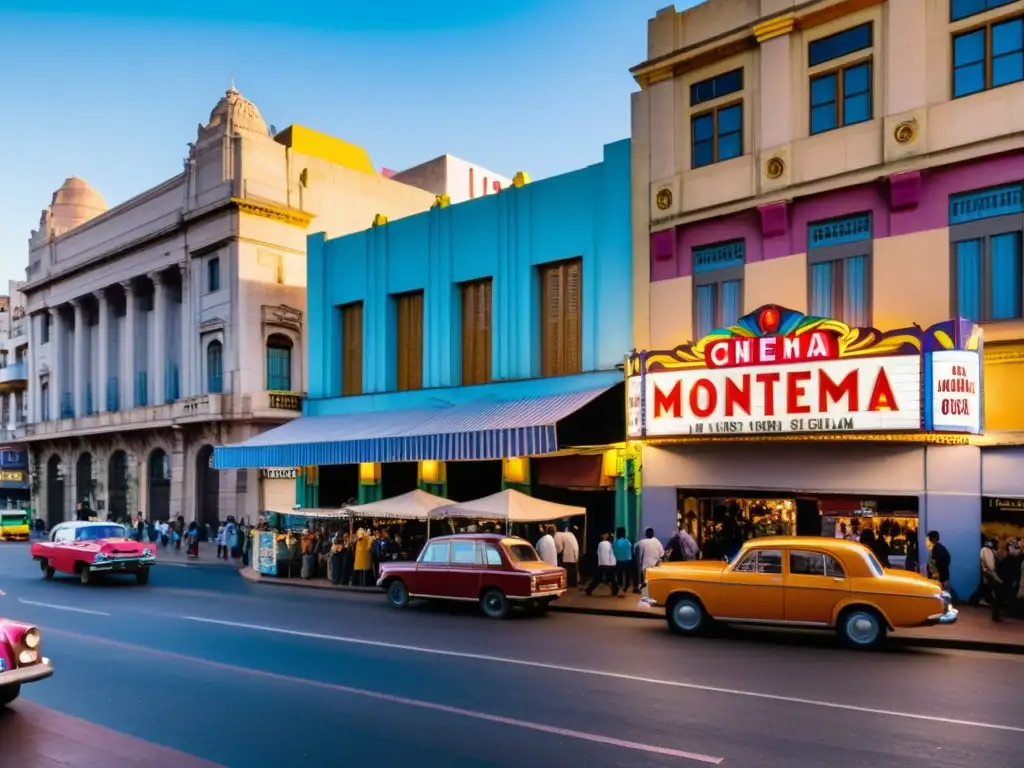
(91, 549)
(20, 659)
(496, 571)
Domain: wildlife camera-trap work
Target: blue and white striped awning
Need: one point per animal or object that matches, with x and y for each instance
(490, 429)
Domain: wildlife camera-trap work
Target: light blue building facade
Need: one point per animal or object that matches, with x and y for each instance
(510, 240)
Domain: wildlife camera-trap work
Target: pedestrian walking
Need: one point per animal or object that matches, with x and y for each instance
(992, 588)
(570, 555)
(940, 561)
(546, 547)
(220, 541)
(625, 570)
(230, 538)
(192, 541)
(649, 554)
(605, 567)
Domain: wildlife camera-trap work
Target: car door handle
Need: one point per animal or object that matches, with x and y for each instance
(837, 580)
(776, 578)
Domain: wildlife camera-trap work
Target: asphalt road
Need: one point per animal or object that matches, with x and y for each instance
(246, 675)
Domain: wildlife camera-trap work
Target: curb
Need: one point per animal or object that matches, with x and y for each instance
(951, 644)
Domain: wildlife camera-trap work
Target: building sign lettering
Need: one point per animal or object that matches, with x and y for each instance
(781, 372)
(12, 476)
(279, 473)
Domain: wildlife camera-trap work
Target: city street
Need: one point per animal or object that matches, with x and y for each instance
(231, 673)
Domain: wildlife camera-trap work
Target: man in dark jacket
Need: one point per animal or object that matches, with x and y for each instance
(938, 565)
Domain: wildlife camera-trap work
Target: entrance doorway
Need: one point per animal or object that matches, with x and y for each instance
(117, 486)
(83, 484)
(159, 485)
(207, 488)
(54, 492)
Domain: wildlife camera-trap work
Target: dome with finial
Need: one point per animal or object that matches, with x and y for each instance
(238, 112)
(72, 205)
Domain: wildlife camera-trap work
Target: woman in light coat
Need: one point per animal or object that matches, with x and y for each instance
(363, 561)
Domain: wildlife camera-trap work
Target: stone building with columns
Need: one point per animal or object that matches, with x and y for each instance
(175, 321)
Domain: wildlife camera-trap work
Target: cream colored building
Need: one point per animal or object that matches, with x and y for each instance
(13, 363)
(175, 321)
(854, 159)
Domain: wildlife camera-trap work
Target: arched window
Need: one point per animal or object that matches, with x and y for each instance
(279, 363)
(214, 367)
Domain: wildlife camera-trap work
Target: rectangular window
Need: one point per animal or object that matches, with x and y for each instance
(561, 301)
(213, 275)
(962, 9)
(476, 332)
(44, 401)
(44, 331)
(410, 340)
(716, 87)
(716, 135)
(841, 44)
(718, 285)
(352, 349)
(841, 97)
(988, 57)
(839, 257)
(986, 231)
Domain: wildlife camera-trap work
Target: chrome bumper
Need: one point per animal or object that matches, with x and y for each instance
(647, 603)
(380, 582)
(550, 593)
(127, 565)
(949, 617)
(38, 671)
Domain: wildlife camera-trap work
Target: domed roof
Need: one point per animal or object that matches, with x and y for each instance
(74, 204)
(237, 111)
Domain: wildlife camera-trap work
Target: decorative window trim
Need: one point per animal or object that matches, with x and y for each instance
(863, 245)
(979, 229)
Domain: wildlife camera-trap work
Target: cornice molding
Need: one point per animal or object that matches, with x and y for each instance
(777, 27)
(273, 212)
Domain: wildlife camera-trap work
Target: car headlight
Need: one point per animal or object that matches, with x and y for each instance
(31, 638)
(533, 583)
(147, 552)
(28, 657)
(100, 557)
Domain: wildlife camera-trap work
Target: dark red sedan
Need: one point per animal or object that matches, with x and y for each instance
(498, 572)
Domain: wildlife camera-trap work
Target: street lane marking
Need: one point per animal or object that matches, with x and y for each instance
(611, 675)
(594, 738)
(62, 608)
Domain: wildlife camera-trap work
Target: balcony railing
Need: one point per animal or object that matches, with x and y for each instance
(13, 372)
(67, 406)
(113, 394)
(284, 401)
(141, 389)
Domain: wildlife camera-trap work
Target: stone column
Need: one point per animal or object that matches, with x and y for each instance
(80, 376)
(103, 392)
(12, 407)
(158, 336)
(186, 343)
(127, 362)
(32, 395)
(57, 372)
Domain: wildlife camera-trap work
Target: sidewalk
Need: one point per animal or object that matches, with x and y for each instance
(975, 631)
(207, 556)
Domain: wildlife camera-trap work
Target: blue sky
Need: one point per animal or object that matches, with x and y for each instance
(112, 93)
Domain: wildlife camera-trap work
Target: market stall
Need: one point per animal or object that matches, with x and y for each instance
(280, 547)
(510, 506)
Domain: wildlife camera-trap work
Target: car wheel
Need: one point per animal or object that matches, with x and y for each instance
(861, 628)
(494, 604)
(9, 693)
(85, 575)
(398, 594)
(47, 569)
(142, 577)
(686, 616)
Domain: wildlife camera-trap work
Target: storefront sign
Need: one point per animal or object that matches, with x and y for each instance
(12, 476)
(778, 371)
(266, 552)
(279, 473)
(955, 391)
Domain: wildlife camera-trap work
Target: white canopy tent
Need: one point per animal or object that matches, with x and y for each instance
(312, 513)
(511, 506)
(414, 505)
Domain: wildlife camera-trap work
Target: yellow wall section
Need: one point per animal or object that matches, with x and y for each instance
(671, 313)
(1002, 379)
(316, 144)
(780, 281)
(911, 280)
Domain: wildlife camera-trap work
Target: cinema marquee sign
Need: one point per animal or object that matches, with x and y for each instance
(778, 371)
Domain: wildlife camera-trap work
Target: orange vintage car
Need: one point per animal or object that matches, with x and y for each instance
(802, 582)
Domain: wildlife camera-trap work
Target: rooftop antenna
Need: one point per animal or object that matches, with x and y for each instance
(231, 86)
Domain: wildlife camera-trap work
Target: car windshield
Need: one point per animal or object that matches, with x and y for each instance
(522, 553)
(93, 532)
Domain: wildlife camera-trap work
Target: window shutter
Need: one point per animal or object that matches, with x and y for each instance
(410, 341)
(352, 349)
(572, 322)
(483, 335)
(469, 299)
(551, 320)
